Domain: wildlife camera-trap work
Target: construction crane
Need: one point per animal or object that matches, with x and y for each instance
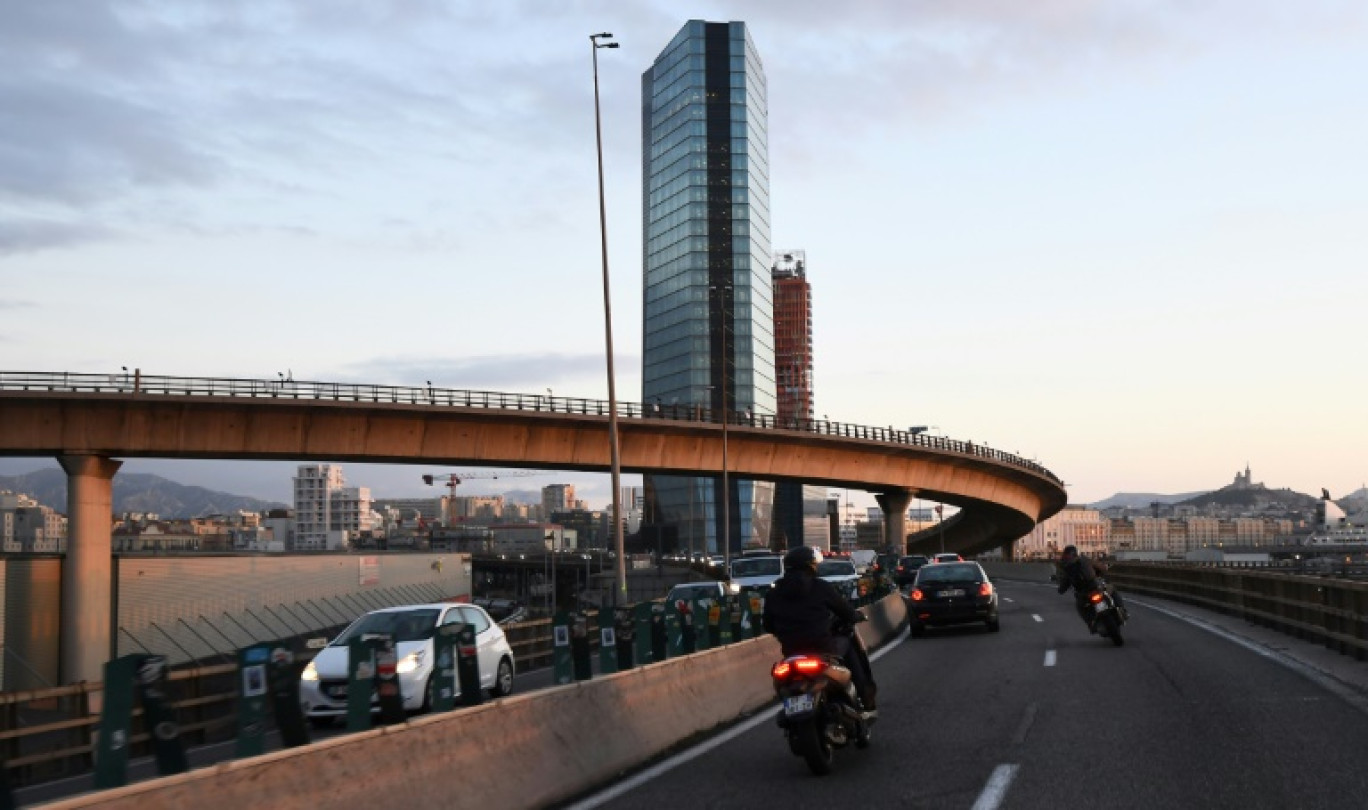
(453, 480)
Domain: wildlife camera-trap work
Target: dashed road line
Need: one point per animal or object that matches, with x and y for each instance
(996, 789)
(1049, 658)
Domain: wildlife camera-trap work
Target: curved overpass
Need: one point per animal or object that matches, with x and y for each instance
(89, 421)
(125, 416)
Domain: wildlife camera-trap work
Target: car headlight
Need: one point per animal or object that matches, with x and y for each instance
(409, 662)
(310, 673)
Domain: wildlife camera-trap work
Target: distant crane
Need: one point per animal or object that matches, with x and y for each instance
(453, 480)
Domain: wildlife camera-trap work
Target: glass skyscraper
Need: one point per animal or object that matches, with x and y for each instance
(709, 324)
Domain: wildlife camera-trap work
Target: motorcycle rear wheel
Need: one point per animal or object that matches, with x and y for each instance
(1113, 628)
(812, 745)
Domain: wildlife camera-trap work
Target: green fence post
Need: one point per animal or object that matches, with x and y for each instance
(579, 648)
(159, 717)
(626, 638)
(283, 681)
(251, 704)
(560, 648)
(445, 680)
(724, 623)
(643, 635)
(360, 682)
(674, 631)
(607, 627)
(116, 718)
(701, 614)
(468, 666)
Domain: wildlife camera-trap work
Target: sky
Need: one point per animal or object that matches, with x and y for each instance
(1124, 239)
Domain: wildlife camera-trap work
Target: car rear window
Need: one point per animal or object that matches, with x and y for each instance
(949, 572)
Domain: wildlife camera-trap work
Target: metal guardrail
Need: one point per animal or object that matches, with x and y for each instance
(48, 733)
(1324, 610)
(135, 383)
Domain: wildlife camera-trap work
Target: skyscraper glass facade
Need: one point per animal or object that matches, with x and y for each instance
(709, 323)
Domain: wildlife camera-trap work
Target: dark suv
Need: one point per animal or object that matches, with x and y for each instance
(906, 570)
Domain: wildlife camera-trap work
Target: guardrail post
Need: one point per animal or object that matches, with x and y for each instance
(560, 648)
(579, 648)
(608, 642)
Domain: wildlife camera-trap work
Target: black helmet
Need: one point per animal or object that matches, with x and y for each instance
(802, 557)
(1070, 551)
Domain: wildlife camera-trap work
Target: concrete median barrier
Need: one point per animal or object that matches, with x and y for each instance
(523, 751)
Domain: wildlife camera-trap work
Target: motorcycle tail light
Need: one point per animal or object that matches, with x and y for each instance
(809, 666)
(780, 670)
(986, 589)
(1095, 597)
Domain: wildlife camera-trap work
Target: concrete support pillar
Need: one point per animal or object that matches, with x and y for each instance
(87, 584)
(894, 505)
(1009, 551)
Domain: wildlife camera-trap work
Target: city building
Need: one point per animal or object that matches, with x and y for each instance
(557, 498)
(329, 515)
(708, 310)
(800, 510)
(26, 525)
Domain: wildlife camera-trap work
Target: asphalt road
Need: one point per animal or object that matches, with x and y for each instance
(1195, 711)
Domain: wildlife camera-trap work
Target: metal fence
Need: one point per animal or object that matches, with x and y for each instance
(1321, 609)
(135, 383)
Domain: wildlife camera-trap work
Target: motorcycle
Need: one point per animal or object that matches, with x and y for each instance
(1107, 616)
(821, 709)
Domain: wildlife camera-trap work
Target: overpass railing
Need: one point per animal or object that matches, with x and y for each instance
(285, 387)
(1324, 610)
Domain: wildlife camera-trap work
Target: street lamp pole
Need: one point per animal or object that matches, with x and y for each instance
(723, 311)
(614, 460)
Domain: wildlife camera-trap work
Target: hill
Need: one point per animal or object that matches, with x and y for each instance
(1142, 500)
(138, 492)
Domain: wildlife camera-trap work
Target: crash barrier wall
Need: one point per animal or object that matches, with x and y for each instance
(1320, 609)
(468, 757)
(201, 608)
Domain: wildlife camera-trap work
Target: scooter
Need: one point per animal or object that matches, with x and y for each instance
(821, 709)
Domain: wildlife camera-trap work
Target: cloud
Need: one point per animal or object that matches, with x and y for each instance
(28, 235)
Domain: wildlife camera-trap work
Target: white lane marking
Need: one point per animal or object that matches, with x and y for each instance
(996, 789)
(1008, 599)
(1049, 658)
(616, 790)
(1036, 616)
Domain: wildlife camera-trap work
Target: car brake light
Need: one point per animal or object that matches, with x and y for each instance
(916, 595)
(986, 589)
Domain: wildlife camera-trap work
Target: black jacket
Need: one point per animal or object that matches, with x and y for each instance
(799, 609)
(1079, 574)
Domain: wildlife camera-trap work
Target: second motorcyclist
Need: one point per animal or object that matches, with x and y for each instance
(798, 611)
(1079, 572)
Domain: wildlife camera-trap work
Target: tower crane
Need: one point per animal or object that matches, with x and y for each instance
(453, 480)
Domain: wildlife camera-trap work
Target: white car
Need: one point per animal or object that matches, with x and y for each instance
(842, 574)
(755, 572)
(323, 684)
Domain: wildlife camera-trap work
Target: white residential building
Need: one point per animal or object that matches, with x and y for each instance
(328, 515)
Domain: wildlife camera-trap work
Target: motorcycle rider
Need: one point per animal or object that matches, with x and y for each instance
(1079, 572)
(798, 611)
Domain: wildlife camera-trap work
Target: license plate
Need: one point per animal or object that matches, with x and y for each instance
(953, 592)
(798, 704)
(1101, 607)
(337, 692)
